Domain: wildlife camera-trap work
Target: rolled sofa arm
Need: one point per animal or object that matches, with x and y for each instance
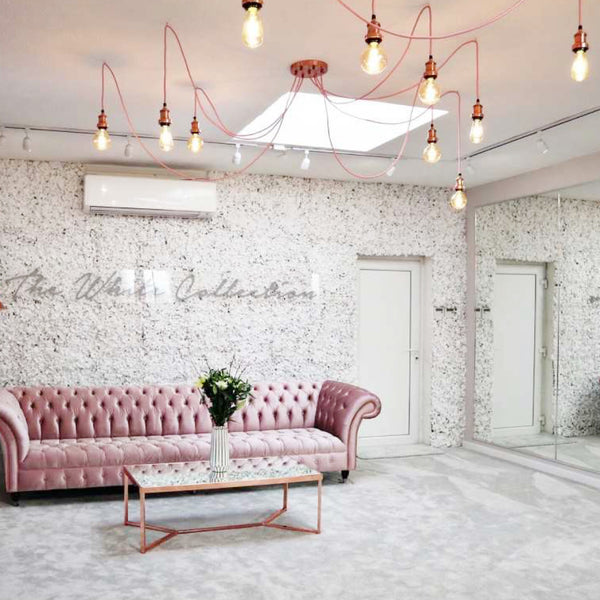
(13, 419)
(341, 408)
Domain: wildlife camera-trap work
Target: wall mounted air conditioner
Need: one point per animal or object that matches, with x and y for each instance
(106, 194)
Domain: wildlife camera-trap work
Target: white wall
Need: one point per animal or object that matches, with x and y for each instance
(268, 229)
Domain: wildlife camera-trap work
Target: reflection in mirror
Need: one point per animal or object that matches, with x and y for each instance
(578, 415)
(518, 253)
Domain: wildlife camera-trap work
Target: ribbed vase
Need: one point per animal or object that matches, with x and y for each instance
(219, 449)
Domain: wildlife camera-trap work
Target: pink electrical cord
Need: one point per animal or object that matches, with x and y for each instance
(411, 36)
(182, 175)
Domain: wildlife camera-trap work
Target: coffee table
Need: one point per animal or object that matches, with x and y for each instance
(197, 476)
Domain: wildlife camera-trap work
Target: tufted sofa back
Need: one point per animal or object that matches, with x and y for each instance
(73, 413)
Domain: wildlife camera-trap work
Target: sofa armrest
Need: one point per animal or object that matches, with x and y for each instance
(13, 419)
(341, 408)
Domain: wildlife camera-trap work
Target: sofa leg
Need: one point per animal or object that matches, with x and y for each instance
(14, 498)
(345, 475)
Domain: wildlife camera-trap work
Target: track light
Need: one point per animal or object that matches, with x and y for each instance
(373, 60)
(429, 90)
(252, 29)
(580, 69)
(101, 139)
(305, 164)
(27, 141)
(391, 170)
(541, 145)
(2, 137)
(459, 198)
(195, 142)
(128, 152)
(432, 153)
(237, 155)
(165, 140)
(476, 135)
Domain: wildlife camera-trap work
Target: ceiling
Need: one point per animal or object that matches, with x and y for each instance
(51, 52)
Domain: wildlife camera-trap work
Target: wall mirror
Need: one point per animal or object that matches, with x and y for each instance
(537, 379)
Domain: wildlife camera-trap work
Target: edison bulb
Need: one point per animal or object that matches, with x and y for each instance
(458, 200)
(580, 68)
(195, 143)
(476, 134)
(165, 141)
(101, 140)
(429, 91)
(373, 60)
(432, 153)
(252, 29)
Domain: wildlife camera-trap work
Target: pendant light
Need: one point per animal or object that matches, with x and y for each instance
(101, 139)
(459, 198)
(432, 153)
(195, 142)
(252, 29)
(580, 69)
(165, 140)
(26, 141)
(476, 135)
(373, 60)
(429, 90)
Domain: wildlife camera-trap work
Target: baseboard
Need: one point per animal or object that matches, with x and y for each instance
(536, 463)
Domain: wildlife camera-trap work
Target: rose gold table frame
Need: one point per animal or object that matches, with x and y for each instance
(170, 532)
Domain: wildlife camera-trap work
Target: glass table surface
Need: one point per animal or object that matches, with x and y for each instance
(242, 472)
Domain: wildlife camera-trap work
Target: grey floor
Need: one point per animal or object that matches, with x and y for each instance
(453, 526)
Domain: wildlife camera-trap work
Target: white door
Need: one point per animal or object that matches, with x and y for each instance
(518, 317)
(388, 348)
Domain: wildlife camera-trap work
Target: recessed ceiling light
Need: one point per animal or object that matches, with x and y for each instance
(305, 123)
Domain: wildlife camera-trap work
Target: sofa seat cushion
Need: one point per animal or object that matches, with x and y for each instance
(104, 452)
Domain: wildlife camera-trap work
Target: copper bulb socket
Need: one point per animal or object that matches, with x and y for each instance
(431, 71)
(477, 111)
(374, 31)
(165, 116)
(432, 136)
(195, 128)
(580, 41)
(460, 184)
(102, 120)
(246, 4)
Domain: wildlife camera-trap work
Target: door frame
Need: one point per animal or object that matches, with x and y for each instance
(540, 270)
(420, 342)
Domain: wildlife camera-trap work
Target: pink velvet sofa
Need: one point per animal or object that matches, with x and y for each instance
(59, 437)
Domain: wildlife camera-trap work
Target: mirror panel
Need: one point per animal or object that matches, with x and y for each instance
(518, 253)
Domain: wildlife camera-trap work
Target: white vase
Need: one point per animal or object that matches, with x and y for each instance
(219, 449)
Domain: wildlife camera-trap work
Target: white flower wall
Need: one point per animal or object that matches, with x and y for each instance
(303, 234)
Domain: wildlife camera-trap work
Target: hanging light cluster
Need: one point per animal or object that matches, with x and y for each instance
(373, 61)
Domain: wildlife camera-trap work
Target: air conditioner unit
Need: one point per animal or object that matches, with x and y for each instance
(148, 196)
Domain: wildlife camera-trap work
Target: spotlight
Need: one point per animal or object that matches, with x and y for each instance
(305, 164)
(165, 140)
(429, 90)
(252, 29)
(541, 145)
(476, 134)
(373, 60)
(470, 167)
(459, 198)
(27, 141)
(101, 139)
(195, 142)
(237, 156)
(391, 170)
(128, 152)
(2, 137)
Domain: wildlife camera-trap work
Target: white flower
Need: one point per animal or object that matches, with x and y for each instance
(222, 385)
